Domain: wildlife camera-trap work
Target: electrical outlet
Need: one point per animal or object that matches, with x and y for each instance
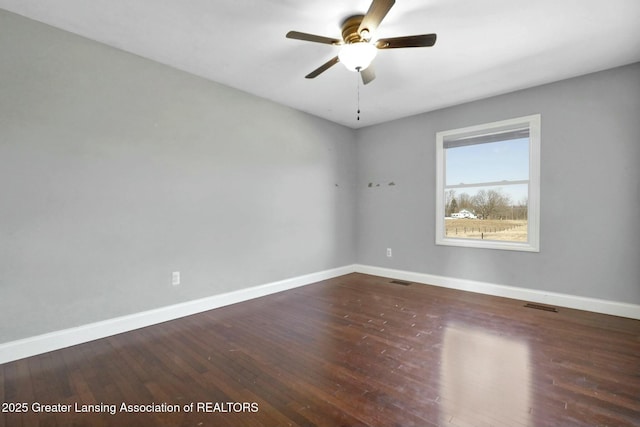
(175, 278)
(389, 253)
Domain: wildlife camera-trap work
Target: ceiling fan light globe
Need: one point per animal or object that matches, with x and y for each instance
(357, 56)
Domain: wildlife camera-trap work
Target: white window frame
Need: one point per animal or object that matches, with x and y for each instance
(533, 122)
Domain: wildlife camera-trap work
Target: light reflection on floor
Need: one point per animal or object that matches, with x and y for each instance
(484, 379)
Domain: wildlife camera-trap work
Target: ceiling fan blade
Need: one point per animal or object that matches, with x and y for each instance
(368, 74)
(424, 40)
(321, 69)
(376, 13)
(312, 38)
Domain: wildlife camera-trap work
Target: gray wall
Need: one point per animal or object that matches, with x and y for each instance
(590, 190)
(116, 171)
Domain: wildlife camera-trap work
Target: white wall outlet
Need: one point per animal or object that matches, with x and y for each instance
(175, 278)
(389, 252)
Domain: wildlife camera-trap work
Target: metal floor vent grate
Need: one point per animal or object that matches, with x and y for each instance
(400, 282)
(541, 307)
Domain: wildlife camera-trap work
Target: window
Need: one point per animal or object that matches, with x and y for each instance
(488, 185)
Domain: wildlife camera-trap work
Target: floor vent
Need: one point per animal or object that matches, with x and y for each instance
(541, 307)
(400, 282)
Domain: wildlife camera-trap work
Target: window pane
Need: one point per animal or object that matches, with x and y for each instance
(487, 213)
(488, 180)
(489, 162)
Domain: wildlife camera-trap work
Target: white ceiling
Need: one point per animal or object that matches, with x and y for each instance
(484, 47)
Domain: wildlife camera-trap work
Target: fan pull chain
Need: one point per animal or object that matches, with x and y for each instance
(358, 84)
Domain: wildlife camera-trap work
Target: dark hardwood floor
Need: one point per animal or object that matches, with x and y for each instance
(352, 351)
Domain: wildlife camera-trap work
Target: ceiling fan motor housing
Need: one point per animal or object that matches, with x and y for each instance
(350, 28)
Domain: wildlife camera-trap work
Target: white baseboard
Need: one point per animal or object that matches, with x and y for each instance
(550, 298)
(19, 349)
(39, 344)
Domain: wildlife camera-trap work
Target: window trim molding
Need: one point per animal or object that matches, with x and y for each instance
(533, 233)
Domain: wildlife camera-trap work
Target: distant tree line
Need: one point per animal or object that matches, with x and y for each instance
(486, 204)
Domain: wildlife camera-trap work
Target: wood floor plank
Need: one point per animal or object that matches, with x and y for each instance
(356, 350)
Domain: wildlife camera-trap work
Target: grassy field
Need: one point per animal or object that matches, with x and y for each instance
(489, 229)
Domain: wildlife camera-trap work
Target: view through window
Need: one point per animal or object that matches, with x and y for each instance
(488, 185)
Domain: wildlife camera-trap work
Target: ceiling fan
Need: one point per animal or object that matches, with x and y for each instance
(358, 47)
